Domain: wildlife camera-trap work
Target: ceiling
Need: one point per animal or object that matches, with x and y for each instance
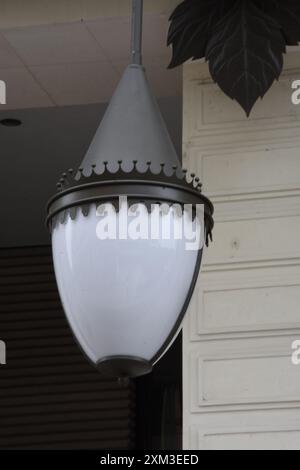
(61, 62)
(72, 52)
(80, 62)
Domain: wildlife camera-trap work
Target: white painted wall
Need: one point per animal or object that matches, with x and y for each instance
(240, 388)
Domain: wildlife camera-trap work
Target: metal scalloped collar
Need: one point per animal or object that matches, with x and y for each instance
(146, 187)
(149, 172)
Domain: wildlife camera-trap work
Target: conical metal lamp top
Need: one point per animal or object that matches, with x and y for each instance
(131, 129)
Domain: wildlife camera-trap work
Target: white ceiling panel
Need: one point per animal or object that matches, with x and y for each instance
(22, 90)
(77, 83)
(8, 56)
(155, 36)
(54, 44)
(81, 62)
(113, 34)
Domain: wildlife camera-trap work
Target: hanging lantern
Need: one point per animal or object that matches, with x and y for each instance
(124, 293)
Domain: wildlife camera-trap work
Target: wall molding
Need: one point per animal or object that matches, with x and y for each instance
(259, 434)
(275, 289)
(240, 388)
(237, 399)
(208, 111)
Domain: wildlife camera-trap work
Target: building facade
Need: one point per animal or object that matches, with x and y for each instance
(240, 387)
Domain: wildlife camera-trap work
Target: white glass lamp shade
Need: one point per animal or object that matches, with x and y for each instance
(122, 297)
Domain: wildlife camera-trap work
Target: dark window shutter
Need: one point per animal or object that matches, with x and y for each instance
(50, 396)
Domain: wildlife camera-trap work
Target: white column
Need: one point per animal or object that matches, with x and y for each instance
(239, 385)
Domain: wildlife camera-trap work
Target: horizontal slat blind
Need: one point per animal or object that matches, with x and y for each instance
(50, 396)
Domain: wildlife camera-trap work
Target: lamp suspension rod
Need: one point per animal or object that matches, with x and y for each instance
(136, 32)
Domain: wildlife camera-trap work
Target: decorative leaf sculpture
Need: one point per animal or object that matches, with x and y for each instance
(243, 41)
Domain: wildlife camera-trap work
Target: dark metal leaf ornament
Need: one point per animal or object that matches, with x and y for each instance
(243, 41)
(245, 53)
(287, 14)
(192, 23)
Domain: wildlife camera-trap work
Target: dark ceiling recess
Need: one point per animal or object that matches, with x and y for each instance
(243, 41)
(10, 122)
